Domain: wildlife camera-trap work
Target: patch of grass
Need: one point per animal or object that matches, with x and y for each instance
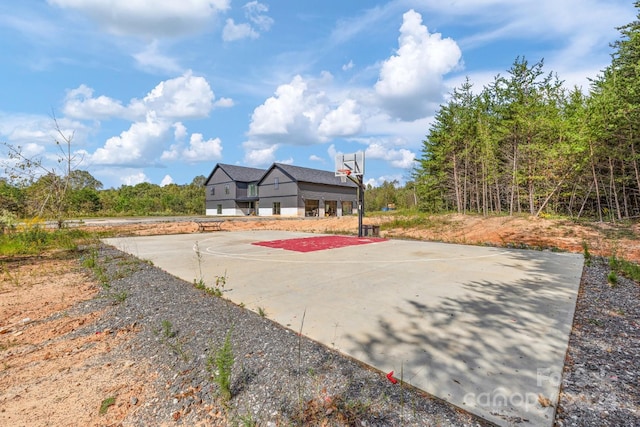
(626, 268)
(262, 312)
(596, 322)
(587, 254)
(106, 403)
(612, 278)
(247, 420)
(119, 297)
(171, 340)
(167, 329)
(32, 238)
(417, 220)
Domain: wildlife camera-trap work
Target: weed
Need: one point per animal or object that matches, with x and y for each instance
(596, 322)
(262, 312)
(167, 329)
(587, 254)
(91, 260)
(13, 278)
(176, 345)
(220, 366)
(612, 278)
(119, 297)
(628, 269)
(247, 420)
(196, 248)
(200, 283)
(106, 403)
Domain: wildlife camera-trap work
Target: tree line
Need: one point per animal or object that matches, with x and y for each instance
(84, 196)
(524, 143)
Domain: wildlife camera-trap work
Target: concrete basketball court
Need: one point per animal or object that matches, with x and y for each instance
(485, 329)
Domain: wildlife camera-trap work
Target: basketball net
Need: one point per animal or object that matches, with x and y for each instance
(345, 174)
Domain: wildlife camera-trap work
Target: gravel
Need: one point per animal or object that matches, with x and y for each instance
(281, 378)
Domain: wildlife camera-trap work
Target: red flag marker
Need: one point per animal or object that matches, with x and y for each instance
(390, 377)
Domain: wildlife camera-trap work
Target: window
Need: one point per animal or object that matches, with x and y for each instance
(226, 189)
(253, 190)
(219, 209)
(276, 183)
(213, 191)
(276, 208)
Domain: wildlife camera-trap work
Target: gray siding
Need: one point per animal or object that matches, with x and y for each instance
(286, 187)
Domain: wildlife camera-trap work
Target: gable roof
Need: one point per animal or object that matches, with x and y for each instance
(315, 176)
(239, 173)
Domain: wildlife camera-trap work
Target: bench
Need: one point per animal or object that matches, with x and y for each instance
(215, 225)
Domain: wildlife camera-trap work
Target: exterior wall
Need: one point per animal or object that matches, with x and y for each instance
(285, 192)
(218, 184)
(287, 205)
(225, 212)
(324, 193)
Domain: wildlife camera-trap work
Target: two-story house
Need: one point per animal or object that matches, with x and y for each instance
(279, 190)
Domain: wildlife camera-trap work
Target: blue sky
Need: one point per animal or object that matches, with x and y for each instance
(162, 90)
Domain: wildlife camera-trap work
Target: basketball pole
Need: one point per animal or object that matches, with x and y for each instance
(359, 181)
(360, 204)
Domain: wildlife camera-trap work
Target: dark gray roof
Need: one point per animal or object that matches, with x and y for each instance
(315, 176)
(242, 173)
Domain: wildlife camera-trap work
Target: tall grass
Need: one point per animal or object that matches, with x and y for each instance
(34, 239)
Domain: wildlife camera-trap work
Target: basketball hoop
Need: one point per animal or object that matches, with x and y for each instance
(344, 173)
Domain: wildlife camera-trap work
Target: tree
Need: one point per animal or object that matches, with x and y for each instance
(50, 196)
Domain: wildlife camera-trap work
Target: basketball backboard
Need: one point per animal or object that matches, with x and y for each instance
(351, 164)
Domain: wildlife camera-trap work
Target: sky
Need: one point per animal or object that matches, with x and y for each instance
(161, 91)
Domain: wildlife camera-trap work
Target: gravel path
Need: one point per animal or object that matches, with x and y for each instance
(280, 378)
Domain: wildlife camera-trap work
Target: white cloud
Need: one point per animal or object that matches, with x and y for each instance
(410, 82)
(151, 59)
(166, 181)
(136, 146)
(288, 161)
(186, 96)
(183, 97)
(348, 66)
(343, 121)
(134, 179)
(300, 113)
(257, 154)
(292, 115)
(315, 158)
(198, 150)
(156, 120)
(399, 158)
(233, 31)
(255, 12)
(80, 104)
(180, 131)
(148, 18)
(224, 103)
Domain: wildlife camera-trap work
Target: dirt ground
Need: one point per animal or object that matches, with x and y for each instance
(49, 376)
